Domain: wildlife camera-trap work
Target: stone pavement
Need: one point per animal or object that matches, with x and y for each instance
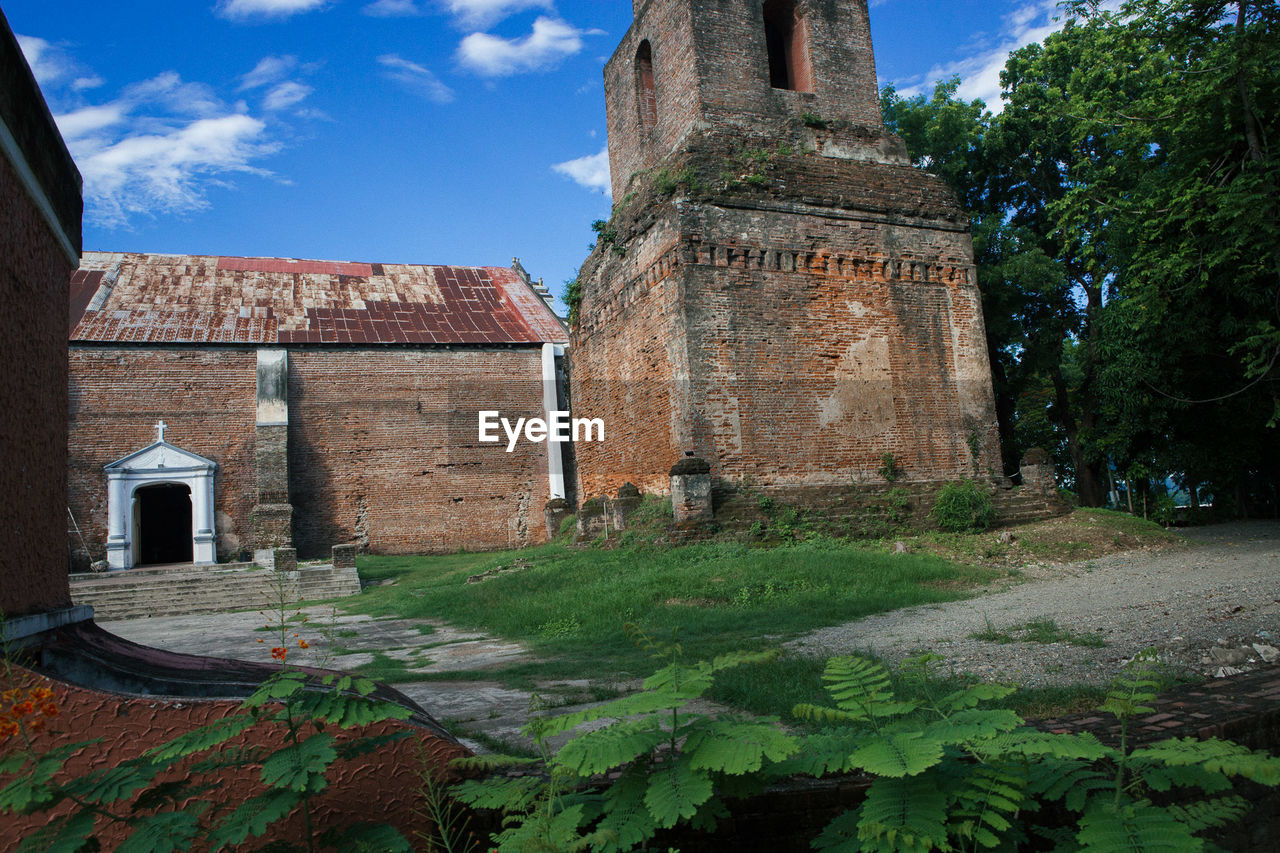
(344, 642)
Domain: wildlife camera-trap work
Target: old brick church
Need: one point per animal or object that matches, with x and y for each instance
(778, 292)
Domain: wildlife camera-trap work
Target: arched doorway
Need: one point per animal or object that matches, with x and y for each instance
(154, 496)
(164, 532)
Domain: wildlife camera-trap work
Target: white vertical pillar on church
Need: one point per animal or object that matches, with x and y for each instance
(203, 549)
(119, 514)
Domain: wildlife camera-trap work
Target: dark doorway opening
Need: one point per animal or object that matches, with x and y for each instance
(164, 524)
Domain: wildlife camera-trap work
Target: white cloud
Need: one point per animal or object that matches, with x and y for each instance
(159, 146)
(421, 81)
(979, 74)
(167, 172)
(269, 69)
(285, 95)
(80, 84)
(89, 120)
(478, 14)
(45, 62)
(242, 9)
(392, 9)
(550, 41)
(591, 172)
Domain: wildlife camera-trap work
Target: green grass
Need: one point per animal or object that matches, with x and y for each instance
(1043, 631)
(570, 606)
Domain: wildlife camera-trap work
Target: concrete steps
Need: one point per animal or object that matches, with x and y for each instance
(190, 590)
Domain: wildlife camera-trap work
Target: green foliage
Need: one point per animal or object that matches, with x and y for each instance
(963, 507)
(607, 233)
(813, 120)
(1043, 631)
(967, 777)
(890, 468)
(573, 298)
(292, 715)
(666, 182)
(668, 762)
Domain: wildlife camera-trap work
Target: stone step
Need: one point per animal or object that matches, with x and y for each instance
(177, 592)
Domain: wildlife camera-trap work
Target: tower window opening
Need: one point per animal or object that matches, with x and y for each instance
(645, 93)
(786, 39)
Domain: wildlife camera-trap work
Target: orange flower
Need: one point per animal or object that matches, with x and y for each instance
(49, 709)
(22, 709)
(303, 644)
(11, 695)
(279, 653)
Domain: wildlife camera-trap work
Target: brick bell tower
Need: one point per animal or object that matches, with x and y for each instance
(778, 291)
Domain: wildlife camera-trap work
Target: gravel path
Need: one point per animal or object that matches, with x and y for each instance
(1203, 607)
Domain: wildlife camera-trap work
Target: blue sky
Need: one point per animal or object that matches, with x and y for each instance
(412, 131)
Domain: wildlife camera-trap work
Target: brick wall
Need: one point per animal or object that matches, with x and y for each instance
(40, 208)
(208, 397)
(711, 67)
(382, 449)
(33, 333)
(791, 328)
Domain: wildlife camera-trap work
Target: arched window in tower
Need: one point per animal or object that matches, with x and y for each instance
(647, 97)
(786, 39)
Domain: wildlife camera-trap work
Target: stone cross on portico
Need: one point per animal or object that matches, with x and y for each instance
(160, 428)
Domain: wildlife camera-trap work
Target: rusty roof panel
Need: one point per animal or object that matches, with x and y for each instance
(208, 299)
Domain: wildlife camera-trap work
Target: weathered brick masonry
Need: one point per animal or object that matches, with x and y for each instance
(39, 243)
(383, 450)
(778, 291)
(206, 396)
(373, 436)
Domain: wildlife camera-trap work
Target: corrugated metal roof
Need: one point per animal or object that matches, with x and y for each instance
(140, 298)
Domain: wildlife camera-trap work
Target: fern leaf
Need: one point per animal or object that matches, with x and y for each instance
(167, 832)
(974, 695)
(986, 803)
(1138, 827)
(111, 784)
(676, 791)
(1073, 783)
(607, 748)
(540, 831)
(301, 766)
(509, 794)
(738, 746)
(627, 822)
(973, 724)
(1164, 777)
(201, 739)
(821, 714)
(1215, 756)
(1029, 743)
(253, 817)
(861, 688)
(681, 680)
(897, 755)
(634, 705)
(1212, 813)
(909, 814)
(820, 754)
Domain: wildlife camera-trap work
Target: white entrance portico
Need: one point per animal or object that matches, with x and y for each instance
(160, 464)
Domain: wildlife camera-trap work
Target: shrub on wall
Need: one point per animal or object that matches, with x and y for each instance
(963, 508)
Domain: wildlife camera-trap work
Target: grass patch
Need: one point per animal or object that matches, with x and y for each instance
(1043, 631)
(570, 605)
